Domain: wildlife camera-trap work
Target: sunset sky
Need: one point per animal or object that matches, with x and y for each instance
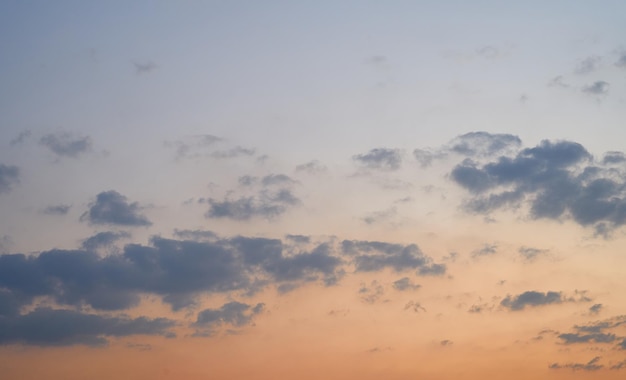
(312, 190)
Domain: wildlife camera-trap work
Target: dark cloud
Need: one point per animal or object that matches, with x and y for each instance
(235, 314)
(144, 68)
(66, 144)
(621, 61)
(371, 256)
(588, 65)
(380, 159)
(113, 208)
(311, 167)
(21, 138)
(480, 143)
(405, 283)
(104, 239)
(196, 235)
(595, 309)
(235, 152)
(614, 158)
(571, 338)
(49, 327)
(267, 204)
(9, 177)
(530, 254)
(57, 210)
(597, 88)
(591, 365)
(555, 180)
(531, 298)
(371, 293)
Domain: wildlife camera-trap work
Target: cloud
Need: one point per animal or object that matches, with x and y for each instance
(480, 143)
(233, 153)
(9, 177)
(311, 167)
(554, 180)
(194, 146)
(50, 327)
(621, 61)
(299, 239)
(414, 306)
(21, 138)
(195, 235)
(268, 205)
(144, 68)
(571, 338)
(404, 284)
(57, 209)
(486, 250)
(597, 88)
(595, 309)
(235, 314)
(380, 216)
(619, 365)
(277, 179)
(613, 158)
(372, 256)
(66, 144)
(530, 254)
(531, 298)
(113, 208)
(591, 365)
(588, 65)
(103, 239)
(446, 342)
(371, 293)
(380, 159)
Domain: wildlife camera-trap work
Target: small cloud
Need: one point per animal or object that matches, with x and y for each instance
(380, 216)
(235, 314)
(57, 209)
(558, 82)
(113, 208)
(591, 365)
(9, 177)
(534, 298)
(595, 309)
(266, 204)
(66, 144)
(195, 235)
(404, 284)
(104, 239)
(144, 68)
(235, 152)
(446, 342)
(380, 159)
(372, 293)
(312, 167)
(414, 306)
(530, 254)
(588, 65)
(486, 250)
(621, 61)
(597, 88)
(21, 138)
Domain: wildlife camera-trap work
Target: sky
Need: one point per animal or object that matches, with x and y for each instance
(329, 189)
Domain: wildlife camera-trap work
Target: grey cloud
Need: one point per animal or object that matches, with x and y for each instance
(196, 235)
(48, 327)
(277, 179)
(597, 88)
(57, 209)
(113, 208)
(588, 65)
(601, 326)
(235, 152)
(530, 254)
(21, 138)
(66, 144)
(531, 298)
(483, 143)
(311, 167)
(571, 338)
(404, 284)
(194, 146)
(380, 159)
(595, 309)
(621, 61)
(268, 205)
(247, 180)
(144, 68)
(486, 250)
(414, 306)
(613, 158)
(371, 256)
(299, 239)
(104, 239)
(380, 216)
(619, 365)
(371, 293)
(591, 365)
(555, 179)
(558, 82)
(9, 177)
(235, 314)
(426, 157)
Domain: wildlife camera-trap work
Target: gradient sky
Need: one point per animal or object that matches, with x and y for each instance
(329, 189)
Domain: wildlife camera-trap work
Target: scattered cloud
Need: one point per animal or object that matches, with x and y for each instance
(405, 284)
(60, 209)
(384, 159)
(530, 254)
(268, 205)
(532, 299)
(597, 88)
(113, 208)
(9, 177)
(591, 365)
(311, 167)
(371, 293)
(235, 314)
(486, 250)
(595, 309)
(588, 65)
(414, 306)
(66, 144)
(51, 327)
